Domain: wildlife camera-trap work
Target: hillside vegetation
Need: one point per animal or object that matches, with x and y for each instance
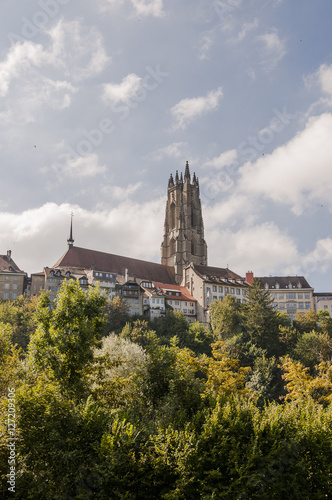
(108, 407)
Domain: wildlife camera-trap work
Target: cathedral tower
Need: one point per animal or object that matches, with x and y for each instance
(184, 230)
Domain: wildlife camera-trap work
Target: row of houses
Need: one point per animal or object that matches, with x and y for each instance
(182, 282)
(150, 289)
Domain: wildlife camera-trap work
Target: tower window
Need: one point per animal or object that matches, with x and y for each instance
(172, 210)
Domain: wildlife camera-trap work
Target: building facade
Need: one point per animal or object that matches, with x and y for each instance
(207, 284)
(183, 240)
(12, 279)
(291, 294)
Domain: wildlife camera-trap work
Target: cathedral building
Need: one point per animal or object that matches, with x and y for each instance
(183, 241)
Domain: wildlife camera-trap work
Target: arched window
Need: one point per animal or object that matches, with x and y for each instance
(192, 216)
(193, 247)
(172, 212)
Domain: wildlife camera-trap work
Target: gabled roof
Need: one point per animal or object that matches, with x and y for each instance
(210, 273)
(285, 282)
(185, 295)
(82, 258)
(8, 265)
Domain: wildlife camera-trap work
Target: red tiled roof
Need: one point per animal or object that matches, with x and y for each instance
(83, 258)
(7, 264)
(185, 295)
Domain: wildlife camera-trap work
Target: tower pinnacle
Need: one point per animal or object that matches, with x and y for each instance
(70, 240)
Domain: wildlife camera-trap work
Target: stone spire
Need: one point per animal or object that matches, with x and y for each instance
(187, 172)
(70, 240)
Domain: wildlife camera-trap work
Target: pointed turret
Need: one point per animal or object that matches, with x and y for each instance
(171, 181)
(187, 172)
(194, 179)
(70, 240)
(181, 179)
(176, 177)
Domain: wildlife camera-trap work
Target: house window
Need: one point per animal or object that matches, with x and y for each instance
(307, 305)
(281, 296)
(238, 291)
(6, 295)
(220, 289)
(290, 296)
(300, 295)
(307, 295)
(301, 305)
(184, 310)
(232, 290)
(14, 295)
(214, 288)
(281, 306)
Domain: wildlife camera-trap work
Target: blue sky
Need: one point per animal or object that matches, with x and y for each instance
(101, 101)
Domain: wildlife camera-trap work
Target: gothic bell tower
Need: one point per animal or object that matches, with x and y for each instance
(184, 230)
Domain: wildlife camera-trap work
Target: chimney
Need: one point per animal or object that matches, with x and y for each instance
(126, 275)
(9, 254)
(250, 277)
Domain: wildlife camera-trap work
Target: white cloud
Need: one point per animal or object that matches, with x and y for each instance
(274, 48)
(205, 43)
(262, 248)
(245, 30)
(148, 7)
(298, 173)
(324, 75)
(142, 8)
(38, 236)
(223, 160)
(86, 58)
(79, 167)
(114, 93)
(323, 79)
(187, 110)
(20, 58)
(175, 150)
(119, 193)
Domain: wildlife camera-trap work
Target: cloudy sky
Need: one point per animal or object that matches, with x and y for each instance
(101, 100)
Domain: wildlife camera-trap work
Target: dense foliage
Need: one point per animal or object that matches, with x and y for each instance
(113, 408)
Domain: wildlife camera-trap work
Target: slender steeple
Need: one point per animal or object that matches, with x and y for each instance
(70, 240)
(184, 230)
(187, 172)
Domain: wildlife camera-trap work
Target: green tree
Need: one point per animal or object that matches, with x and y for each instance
(262, 321)
(68, 331)
(117, 315)
(306, 322)
(325, 322)
(173, 324)
(312, 348)
(226, 318)
(20, 314)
